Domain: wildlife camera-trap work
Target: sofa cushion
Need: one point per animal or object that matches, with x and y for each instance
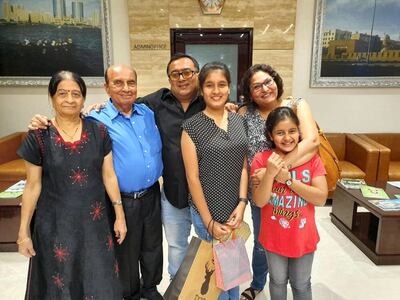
(350, 170)
(11, 170)
(394, 170)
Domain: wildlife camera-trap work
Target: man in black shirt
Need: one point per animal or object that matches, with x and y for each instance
(171, 107)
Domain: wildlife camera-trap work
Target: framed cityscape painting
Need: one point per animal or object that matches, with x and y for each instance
(40, 37)
(356, 44)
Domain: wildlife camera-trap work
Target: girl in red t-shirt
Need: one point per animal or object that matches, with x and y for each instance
(287, 198)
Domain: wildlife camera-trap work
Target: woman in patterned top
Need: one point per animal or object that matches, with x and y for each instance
(68, 166)
(214, 145)
(262, 88)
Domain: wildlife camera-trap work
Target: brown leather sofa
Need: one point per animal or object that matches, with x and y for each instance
(357, 157)
(389, 155)
(12, 168)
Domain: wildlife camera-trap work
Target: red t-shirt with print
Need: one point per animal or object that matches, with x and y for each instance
(288, 221)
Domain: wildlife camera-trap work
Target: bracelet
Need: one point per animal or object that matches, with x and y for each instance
(119, 202)
(245, 200)
(19, 242)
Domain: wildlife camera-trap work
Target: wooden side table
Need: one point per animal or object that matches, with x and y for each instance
(10, 216)
(376, 232)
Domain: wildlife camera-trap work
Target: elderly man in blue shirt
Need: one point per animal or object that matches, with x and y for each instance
(138, 165)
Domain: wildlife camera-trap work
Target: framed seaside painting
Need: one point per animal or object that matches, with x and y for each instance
(38, 38)
(356, 44)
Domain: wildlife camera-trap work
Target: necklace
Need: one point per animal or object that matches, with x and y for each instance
(71, 137)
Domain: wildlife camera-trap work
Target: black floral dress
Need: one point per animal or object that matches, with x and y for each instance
(72, 233)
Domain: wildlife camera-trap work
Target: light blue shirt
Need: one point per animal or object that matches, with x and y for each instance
(136, 146)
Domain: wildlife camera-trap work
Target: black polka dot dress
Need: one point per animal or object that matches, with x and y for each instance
(220, 157)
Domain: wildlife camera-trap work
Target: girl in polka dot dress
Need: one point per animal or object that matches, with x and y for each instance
(214, 145)
(287, 198)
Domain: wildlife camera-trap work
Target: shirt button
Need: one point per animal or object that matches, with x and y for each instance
(148, 180)
(140, 136)
(145, 151)
(148, 166)
(133, 122)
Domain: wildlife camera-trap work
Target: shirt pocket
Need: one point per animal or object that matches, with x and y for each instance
(154, 138)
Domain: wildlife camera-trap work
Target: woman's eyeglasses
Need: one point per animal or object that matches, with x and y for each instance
(185, 73)
(259, 86)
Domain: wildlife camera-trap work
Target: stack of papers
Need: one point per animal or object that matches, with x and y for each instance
(373, 192)
(388, 205)
(14, 191)
(351, 183)
(395, 183)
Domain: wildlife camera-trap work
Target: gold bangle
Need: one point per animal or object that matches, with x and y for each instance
(19, 242)
(119, 202)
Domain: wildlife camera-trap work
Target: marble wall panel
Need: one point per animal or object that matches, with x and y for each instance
(149, 22)
(187, 14)
(274, 23)
(281, 61)
(151, 69)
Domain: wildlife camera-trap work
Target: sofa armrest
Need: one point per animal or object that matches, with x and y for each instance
(9, 146)
(383, 161)
(364, 155)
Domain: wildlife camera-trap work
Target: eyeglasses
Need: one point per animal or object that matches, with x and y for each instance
(259, 86)
(64, 94)
(119, 84)
(186, 74)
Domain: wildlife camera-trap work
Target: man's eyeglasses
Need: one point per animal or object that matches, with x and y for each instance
(259, 86)
(185, 73)
(64, 94)
(119, 84)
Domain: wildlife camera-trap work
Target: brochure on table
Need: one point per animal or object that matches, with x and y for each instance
(395, 183)
(14, 191)
(387, 205)
(373, 192)
(352, 183)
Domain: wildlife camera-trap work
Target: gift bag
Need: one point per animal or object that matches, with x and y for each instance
(195, 278)
(232, 265)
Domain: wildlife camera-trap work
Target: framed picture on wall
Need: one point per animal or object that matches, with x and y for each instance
(38, 38)
(356, 44)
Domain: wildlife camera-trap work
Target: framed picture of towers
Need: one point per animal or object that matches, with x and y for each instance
(356, 44)
(38, 38)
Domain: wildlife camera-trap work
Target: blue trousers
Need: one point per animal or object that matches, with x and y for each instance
(259, 262)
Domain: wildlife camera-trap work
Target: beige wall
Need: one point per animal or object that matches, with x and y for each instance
(336, 109)
(150, 22)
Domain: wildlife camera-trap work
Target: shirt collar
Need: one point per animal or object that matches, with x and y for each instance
(169, 95)
(111, 111)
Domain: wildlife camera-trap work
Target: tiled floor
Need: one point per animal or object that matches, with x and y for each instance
(340, 272)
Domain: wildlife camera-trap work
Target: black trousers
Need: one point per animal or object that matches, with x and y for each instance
(141, 251)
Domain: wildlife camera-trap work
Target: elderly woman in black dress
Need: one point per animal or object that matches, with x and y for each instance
(69, 165)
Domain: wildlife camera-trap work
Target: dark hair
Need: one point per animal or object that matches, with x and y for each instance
(213, 66)
(66, 75)
(248, 75)
(177, 56)
(277, 115)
